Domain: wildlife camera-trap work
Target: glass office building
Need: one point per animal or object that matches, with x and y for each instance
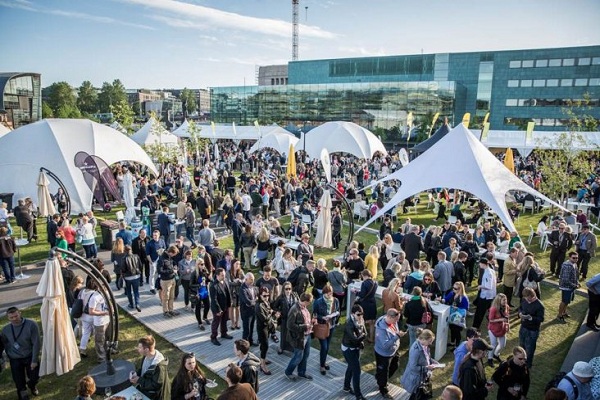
(20, 98)
(514, 86)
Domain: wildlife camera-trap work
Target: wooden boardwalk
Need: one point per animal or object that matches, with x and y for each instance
(183, 332)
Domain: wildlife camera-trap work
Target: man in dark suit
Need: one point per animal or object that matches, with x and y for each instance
(412, 244)
(220, 301)
(52, 229)
(237, 226)
(138, 246)
(164, 224)
(560, 241)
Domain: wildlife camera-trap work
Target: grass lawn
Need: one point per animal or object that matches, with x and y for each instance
(63, 387)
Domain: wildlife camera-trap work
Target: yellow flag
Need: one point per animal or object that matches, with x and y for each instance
(484, 132)
(509, 161)
(291, 163)
(256, 123)
(529, 134)
(409, 120)
(435, 118)
(212, 125)
(485, 119)
(466, 119)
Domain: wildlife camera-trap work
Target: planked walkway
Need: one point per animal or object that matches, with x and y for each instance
(183, 332)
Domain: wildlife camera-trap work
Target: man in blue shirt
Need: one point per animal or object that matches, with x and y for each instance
(154, 249)
(124, 234)
(461, 351)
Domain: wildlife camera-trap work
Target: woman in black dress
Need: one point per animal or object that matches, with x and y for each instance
(368, 289)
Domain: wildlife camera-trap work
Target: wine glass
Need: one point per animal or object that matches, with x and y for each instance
(108, 392)
(197, 389)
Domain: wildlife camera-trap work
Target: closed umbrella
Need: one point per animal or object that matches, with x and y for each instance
(128, 197)
(509, 161)
(45, 203)
(216, 153)
(324, 234)
(291, 163)
(59, 347)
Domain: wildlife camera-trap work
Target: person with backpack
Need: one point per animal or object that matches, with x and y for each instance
(473, 381)
(576, 384)
(513, 377)
(248, 362)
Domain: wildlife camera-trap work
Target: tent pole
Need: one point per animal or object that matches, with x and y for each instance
(61, 185)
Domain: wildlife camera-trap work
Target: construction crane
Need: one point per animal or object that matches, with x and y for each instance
(295, 4)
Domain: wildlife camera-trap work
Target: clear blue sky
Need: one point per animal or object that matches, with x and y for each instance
(201, 43)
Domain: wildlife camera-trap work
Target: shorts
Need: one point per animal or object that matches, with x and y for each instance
(567, 296)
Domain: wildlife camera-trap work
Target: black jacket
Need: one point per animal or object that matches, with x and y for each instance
(166, 267)
(472, 380)
(354, 334)
(250, 371)
(220, 297)
(248, 297)
(412, 244)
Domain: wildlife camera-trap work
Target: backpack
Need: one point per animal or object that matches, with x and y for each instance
(556, 381)
(293, 278)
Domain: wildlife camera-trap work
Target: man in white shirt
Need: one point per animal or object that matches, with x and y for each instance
(246, 205)
(487, 291)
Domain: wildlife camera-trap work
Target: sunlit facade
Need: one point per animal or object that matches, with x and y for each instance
(20, 98)
(514, 86)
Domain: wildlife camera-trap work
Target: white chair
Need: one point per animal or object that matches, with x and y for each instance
(306, 219)
(430, 201)
(531, 234)
(119, 215)
(529, 205)
(575, 229)
(358, 210)
(452, 219)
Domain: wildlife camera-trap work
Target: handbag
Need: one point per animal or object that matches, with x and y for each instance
(78, 309)
(322, 331)
(424, 391)
(79, 238)
(458, 317)
(426, 318)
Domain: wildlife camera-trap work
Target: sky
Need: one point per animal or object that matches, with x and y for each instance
(159, 44)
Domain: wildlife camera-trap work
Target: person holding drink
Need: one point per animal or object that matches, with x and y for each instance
(513, 376)
(190, 382)
(473, 381)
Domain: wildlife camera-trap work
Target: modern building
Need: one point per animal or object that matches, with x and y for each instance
(20, 98)
(515, 87)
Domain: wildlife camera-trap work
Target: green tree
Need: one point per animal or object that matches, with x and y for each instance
(123, 114)
(88, 98)
(68, 111)
(111, 94)
(47, 110)
(61, 95)
(188, 97)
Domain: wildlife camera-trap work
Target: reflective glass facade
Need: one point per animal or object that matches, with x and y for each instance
(515, 85)
(21, 98)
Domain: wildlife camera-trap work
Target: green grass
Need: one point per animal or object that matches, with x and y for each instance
(54, 387)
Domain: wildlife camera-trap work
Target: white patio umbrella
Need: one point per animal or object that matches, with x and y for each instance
(45, 203)
(216, 153)
(59, 347)
(128, 197)
(324, 235)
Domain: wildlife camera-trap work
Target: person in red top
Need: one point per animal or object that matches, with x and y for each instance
(498, 327)
(69, 234)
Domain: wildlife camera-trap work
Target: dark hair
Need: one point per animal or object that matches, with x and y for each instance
(234, 373)
(306, 297)
(186, 378)
(555, 394)
(86, 386)
(242, 345)
(12, 310)
(147, 342)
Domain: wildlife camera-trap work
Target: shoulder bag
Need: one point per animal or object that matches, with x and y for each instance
(426, 318)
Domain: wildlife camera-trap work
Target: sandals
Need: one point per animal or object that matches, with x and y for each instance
(275, 338)
(265, 371)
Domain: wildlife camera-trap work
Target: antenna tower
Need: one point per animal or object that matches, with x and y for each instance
(295, 4)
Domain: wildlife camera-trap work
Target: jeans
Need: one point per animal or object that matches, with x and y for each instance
(186, 291)
(90, 251)
(132, 285)
(412, 333)
(528, 340)
(299, 358)
(248, 318)
(483, 305)
(584, 260)
(8, 266)
(99, 338)
(325, 348)
(189, 233)
(353, 370)
(21, 371)
(386, 367)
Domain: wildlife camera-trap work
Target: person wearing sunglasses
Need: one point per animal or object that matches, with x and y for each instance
(513, 376)
(457, 298)
(286, 300)
(567, 283)
(266, 324)
(327, 310)
(352, 344)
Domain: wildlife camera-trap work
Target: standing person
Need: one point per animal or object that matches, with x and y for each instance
(487, 291)
(513, 377)
(188, 376)
(460, 353)
(327, 311)
(457, 299)
(352, 345)
(372, 260)
(190, 223)
(99, 311)
(138, 246)
(88, 238)
(560, 241)
(131, 270)
(412, 244)
(248, 362)
(116, 257)
(152, 376)
(338, 280)
(414, 310)
(567, 284)
(86, 322)
(391, 296)
(576, 384)
(235, 278)
(220, 301)
(185, 268)
(417, 373)
(21, 341)
(498, 327)
(124, 234)
(237, 227)
(283, 304)
(471, 248)
(199, 297)
(387, 344)
(509, 280)
(299, 328)
(266, 325)
(69, 234)
(206, 236)
(473, 382)
(336, 227)
(304, 249)
(270, 282)
(247, 299)
(531, 313)
(586, 245)
(593, 285)
(154, 249)
(164, 223)
(8, 248)
(167, 268)
(443, 273)
(248, 243)
(366, 298)
(52, 228)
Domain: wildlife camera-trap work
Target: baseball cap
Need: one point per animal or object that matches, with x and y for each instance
(583, 369)
(481, 344)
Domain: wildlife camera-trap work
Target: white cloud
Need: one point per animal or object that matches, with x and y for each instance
(362, 51)
(194, 16)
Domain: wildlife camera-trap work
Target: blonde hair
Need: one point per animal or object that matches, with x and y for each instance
(393, 283)
(118, 246)
(374, 250)
(497, 303)
(425, 334)
(263, 235)
(461, 289)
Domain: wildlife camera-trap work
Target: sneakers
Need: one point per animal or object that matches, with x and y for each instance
(168, 315)
(138, 308)
(34, 391)
(306, 376)
(348, 390)
(186, 308)
(291, 377)
(130, 306)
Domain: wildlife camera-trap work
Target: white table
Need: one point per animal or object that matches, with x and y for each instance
(441, 311)
(497, 255)
(127, 393)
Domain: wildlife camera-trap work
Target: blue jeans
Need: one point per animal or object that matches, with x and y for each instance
(528, 340)
(299, 358)
(325, 347)
(248, 319)
(8, 266)
(189, 233)
(90, 251)
(134, 299)
(412, 333)
(353, 370)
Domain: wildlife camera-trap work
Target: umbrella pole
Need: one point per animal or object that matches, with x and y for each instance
(19, 243)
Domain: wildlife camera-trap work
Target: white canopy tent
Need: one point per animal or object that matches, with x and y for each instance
(472, 168)
(237, 133)
(53, 144)
(341, 137)
(182, 131)
(153, 133)
(278, 140)
(4, 130)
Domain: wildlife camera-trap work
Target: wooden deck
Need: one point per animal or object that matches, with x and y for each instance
(183, 332)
